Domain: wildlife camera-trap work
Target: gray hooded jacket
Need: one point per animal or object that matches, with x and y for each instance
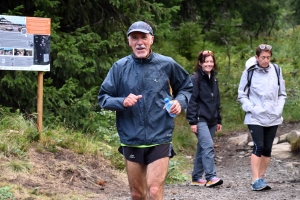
(266, 99)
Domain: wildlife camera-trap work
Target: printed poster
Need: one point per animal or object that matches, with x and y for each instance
(24, 43)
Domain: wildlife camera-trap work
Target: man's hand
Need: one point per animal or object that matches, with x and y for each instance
(131, 99)
(175, 108)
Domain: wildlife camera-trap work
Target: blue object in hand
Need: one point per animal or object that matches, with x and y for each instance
(168, 105)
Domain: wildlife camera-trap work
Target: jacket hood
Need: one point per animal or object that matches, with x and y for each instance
(250, 62)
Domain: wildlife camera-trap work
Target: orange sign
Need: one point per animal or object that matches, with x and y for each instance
(36, 25)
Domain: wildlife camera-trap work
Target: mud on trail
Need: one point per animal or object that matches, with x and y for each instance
(65, 175)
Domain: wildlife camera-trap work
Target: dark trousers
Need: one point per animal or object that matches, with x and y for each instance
(263, 138)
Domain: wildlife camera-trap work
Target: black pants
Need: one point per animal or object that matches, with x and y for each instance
(263, 138)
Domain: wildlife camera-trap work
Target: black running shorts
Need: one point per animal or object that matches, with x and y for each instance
(147, 155)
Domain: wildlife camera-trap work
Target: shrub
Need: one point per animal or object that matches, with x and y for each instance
(5, 193)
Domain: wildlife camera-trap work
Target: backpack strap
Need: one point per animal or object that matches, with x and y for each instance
(277, 69)
(250, 71)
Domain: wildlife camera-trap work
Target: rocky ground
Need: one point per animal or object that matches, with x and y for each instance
(233, 166)
(65, 175)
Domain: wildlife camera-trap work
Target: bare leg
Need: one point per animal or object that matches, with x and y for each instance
(137, 180)
(263, 166)
(156, 174)
(255, 166)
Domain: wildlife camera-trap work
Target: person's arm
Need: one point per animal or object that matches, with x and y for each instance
(219, 118)
(192, 109)
(108, 94)
(243, 98)
(281, 93)
(181, 84)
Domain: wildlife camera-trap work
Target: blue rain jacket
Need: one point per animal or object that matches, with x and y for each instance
(146, 122)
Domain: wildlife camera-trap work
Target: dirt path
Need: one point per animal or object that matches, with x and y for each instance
(285, 183)
(234, 169)
(66, 175)
(233, 166)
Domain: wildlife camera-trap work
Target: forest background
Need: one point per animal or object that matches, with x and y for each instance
(88, 36)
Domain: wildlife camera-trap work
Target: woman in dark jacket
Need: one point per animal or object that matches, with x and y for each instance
(203, 114)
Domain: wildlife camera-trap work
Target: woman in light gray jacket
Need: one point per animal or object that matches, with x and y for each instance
(262, 95)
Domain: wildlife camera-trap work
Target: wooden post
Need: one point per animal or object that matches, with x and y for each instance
(40, 101)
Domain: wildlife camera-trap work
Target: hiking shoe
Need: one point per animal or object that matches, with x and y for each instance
(214, 182)
(267, 187)
(199, 182)
(259, 185)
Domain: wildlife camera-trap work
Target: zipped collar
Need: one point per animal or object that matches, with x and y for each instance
(143, 60)
(212, 72)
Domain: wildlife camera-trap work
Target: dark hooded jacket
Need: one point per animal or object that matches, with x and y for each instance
(204, 105)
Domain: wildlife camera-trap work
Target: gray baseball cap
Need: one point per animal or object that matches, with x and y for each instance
(140, 26)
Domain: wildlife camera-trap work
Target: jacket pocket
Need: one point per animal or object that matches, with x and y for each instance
(259, 113)
(258, 110)
(277, 111)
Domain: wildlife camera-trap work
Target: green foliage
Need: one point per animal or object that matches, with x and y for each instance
(18, 87)
(18, 165)
(184, 141)
(16, 134)
(115, 157)
(189, 36)
(52, 140)
(81, 54)
(174, 174)
(35, 191)
(83, 48)
(294, 14)
(5, 193)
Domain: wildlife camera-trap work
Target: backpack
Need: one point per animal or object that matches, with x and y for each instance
(250, 71)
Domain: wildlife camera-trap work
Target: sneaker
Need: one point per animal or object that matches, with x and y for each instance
(199, 182)
(259, 185)
(267, 187)
(214, 182)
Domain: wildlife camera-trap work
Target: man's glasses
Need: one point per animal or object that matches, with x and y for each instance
(209, 52)
(265, 46)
